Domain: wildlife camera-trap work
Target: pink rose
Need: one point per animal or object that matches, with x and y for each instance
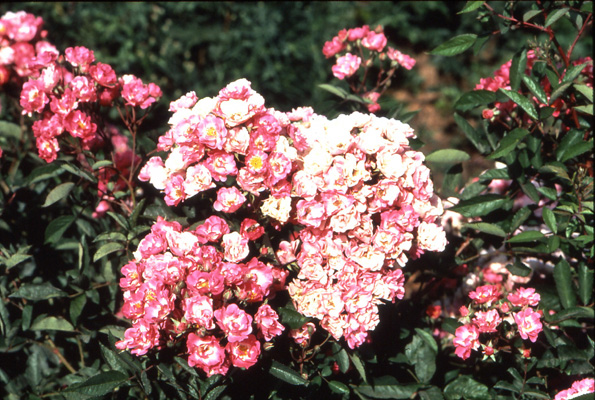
(244, 354)
(229, 200)
(528, 323)
(235, 322)
(346, 66)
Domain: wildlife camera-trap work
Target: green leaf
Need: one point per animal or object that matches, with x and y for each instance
(519, 218)
(447, 156)
(522, 101)
(291, 318)
(466, 388)
(558, 170)
(548, 192)
(585, 283)
(571, 313)
(450, 325)
(99, 385)
(387, 387)
(554, 16)
(422, 356)
(519, 268)
(572, 72)
(106, 249)
(101, 164)
(44, 172)
(576, 150)
(559, 91)
(287, 374)
(475, 98)
(535, 88)
(455, 45)
(215, 392)
(531, 191)
(78, 172)
(453, 180)
(58, 193)
(57, 227)
(338, 387)
(530, 14)
(359, 366)
(481, 205)
(488, 228)
(52, 324)
(9, 129)
(76, 307)
(474, 136)
(496, 173)
(550, 219)
(432, 393)
(111, 236)
(509, 142)
(36, 292)
(517, 69)
(471, 6)
(526, 236)
(585, 109)
(572, 145)
(337, 91)
(563, 279)
(342, 360)
(585, 91)
(119, 219)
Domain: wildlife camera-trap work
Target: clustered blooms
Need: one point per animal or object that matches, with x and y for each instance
(362, 199)
(67, 97)
(201, 284)
(577, 389)
(490, 316)
(359, 47)
(501, 79)
(21, 45)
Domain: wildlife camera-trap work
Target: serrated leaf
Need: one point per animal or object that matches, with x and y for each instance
(519, 269)
(585, 109)
(572, 145)
(287, 374)
(338, 387)
(58, 193)
(467, 388)
(509, 142)
(36, 292)
(76, 308)
(44, 172)
(550, 219)
(585, 283)
(558, 170)
(517, 69)
(548, 192)
(99, 385)
(474, 136)
(526, 236)
(291, 318)
(112, 359)
(57, 227)
(571, 313)
(447, 156)
(475, 98)
(522, 102)
(488, 228)
(481, 205)
(572, 72)
(496, 173)
(531, 191)
(111, 236)
(16, 259)
(422, 357)
(585, 91)
(530, 14)
(106, 249)
(563, 279)
(559, 91)
(101, 164)
(471, 6)
(359, 366)
(343, 360)
(119, 219)
(9, 129)
(554, 16)
(535, 88)
(519, 218)
(215, 393)
(52, 324)
(455, 45)
(387, 387)
(432, 393)
(78, 172)
(337, 91)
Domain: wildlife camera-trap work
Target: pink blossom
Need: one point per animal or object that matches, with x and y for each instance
(33, 97)
(207, 354)
(212, 132)
(140, 338)
(79, 125)
(83, 89)
(346, 66)
(103, 74)
(235, 322)
(333, 47)
(235, 247)
(431, 237)
(524, 297)
(403, 59)
(578, 388)
(485, 294)
(198, 310)
(174, 190)
(374, 41)
(186, 101)
(466, 339)
(198, 179)
(229, 200)
(136, 93)
(358, 33)
(80, 56)
(267, 321)
(487, 321)
(251, 229)
(528, 323)
(221, 164)
(303, 335)
(238, 102)
(244, 354)
(212, 229)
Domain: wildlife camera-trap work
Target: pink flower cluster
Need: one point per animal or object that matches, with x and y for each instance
(577, 389)
(483, 319)
(366, 204)
(21, 46)
(501, 79)
(359, 47)
(360, 196)
(201, 284)
(66, 96)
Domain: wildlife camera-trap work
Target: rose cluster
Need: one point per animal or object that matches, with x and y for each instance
(501, 79)
(358, 48)
(21, 45)
(361, 199)
(489, 319)
(201, 285)
(578, 388)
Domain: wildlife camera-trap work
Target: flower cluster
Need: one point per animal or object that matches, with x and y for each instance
(360, 197)
(489, 319)
(577, 389)
(21, 46)
(501, 80)
(366, 203)
(200, 284)
(67, 98)
(358, 48)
